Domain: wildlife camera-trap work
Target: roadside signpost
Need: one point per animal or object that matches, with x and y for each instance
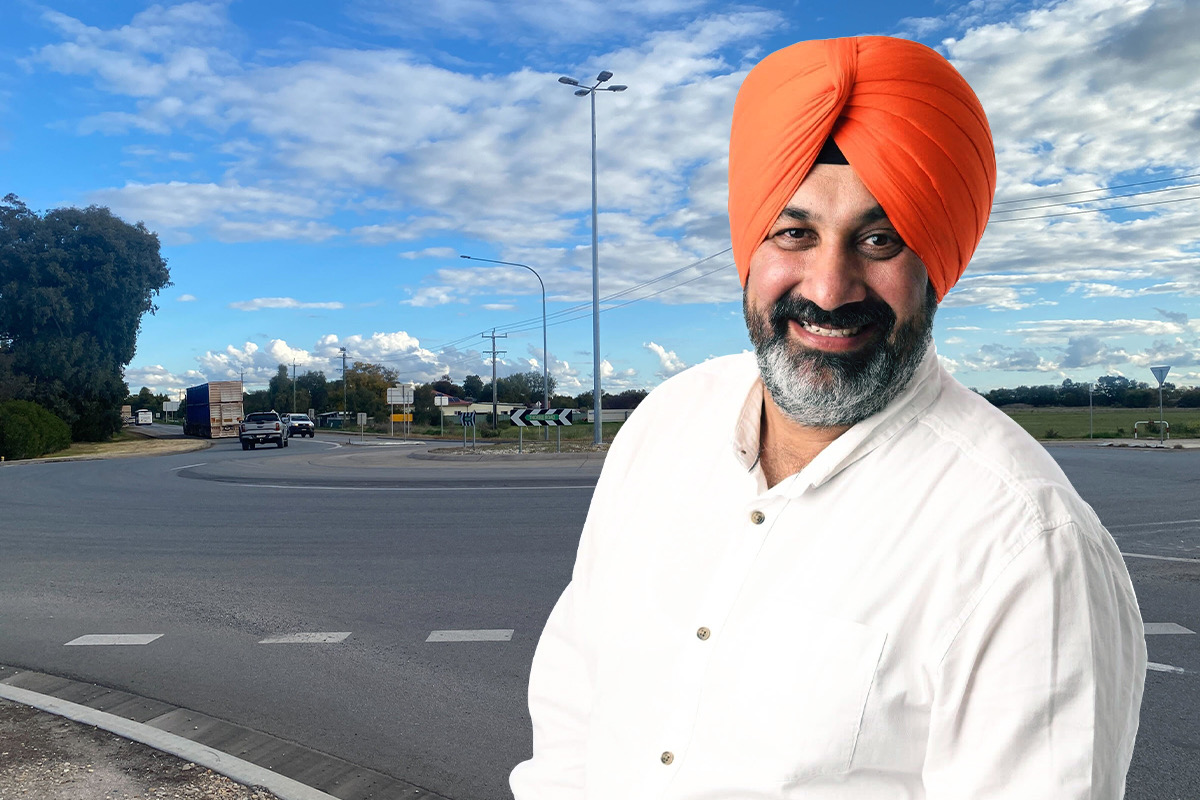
(1160, 374)
(467, 418)
(439, 401)
(400, 396)
(537, 417)
(362, 421)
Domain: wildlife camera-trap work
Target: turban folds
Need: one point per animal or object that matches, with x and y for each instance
(905, 119)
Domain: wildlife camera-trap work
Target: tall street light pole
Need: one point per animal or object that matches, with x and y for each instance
(545, 352)
(590, 91)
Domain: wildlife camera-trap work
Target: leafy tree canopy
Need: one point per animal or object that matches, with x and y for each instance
(74, 284)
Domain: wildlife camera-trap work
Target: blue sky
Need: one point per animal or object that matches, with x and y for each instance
(315, 169)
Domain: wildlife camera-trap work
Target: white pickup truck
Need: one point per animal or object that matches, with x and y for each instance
(262, 426)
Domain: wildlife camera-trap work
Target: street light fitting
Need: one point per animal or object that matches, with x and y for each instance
(603, 76)
(617, 88)
(568, 81)
(582, 92)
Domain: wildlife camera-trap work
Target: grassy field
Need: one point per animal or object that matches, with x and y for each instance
(1110, 423)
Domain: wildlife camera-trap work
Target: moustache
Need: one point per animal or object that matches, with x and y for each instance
(850, 315)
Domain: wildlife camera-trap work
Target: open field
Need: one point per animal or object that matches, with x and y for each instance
(1110, 423)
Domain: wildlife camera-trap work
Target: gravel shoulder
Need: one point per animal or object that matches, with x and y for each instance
(47, 757)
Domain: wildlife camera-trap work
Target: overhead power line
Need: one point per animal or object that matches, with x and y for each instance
(1098, 199)
(1100, 189)
(1097, 210)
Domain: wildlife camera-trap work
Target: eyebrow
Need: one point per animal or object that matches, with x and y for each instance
(873, 214)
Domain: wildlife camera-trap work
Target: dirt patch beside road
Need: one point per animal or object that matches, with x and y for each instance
(126, 444)
(46, 757)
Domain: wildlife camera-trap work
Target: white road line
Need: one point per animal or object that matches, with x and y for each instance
(1163, 668)
(1164, 627)
(187, 466)
(1152, 524)
(319, 637)
(419, 489)
(1162, 558)
(101, 639)
(499, 635)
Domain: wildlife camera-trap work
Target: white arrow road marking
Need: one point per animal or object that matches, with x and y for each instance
(99, 639)
(1165, 627)
(187, 466)
(1163, 668)
(317, 637)
(500, 635)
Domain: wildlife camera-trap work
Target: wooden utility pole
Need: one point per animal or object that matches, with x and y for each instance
(494, 352)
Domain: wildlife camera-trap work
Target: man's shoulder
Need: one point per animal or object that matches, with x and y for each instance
(723, 380)
(993, 454)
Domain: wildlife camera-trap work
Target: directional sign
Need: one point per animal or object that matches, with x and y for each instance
(1160, 373)
(467, 418)
(441, 400)
(400, 395)
(362, 418)
(537, 417)
(402, 417)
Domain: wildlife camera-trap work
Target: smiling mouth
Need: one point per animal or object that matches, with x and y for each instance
(832, 333)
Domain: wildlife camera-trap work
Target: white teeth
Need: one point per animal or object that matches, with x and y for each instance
(837, 333)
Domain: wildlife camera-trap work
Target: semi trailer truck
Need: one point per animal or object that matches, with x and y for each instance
(214, 409)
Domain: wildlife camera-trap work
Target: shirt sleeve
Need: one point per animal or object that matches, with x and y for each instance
(560, 683)
(1038, 694)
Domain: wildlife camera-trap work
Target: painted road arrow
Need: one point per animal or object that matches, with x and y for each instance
(530, 417)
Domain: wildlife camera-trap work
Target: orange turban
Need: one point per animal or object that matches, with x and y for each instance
(904, 118)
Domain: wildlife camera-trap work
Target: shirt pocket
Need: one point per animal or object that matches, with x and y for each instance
(785, 697)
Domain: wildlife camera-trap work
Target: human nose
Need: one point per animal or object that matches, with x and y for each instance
(833, 277)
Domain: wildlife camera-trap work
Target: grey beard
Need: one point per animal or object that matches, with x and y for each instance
(825, 390)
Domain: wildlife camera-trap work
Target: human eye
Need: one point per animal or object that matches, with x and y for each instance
(881, 244)
(792, 237)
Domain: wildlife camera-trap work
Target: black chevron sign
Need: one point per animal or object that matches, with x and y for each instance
(525, 417)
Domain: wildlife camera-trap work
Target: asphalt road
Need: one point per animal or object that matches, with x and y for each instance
(222, 549)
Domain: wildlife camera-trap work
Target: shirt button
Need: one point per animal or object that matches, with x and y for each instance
(668, 757)
(703, 634)
(757, 517)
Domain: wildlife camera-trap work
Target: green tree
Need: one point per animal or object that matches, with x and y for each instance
(74, 285)
(367, 386)
(473, 387)
(315, 385)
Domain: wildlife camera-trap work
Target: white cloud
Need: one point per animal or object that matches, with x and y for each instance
(160, 380)
(431, 252)
(1091, 290)
(186, 298)
(670, 364)
(991, 297)
(998, 357)
(498, 307)
(257, 364)
(259, 303)
(429, 296)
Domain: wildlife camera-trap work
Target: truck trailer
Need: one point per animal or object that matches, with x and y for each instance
(214, 409)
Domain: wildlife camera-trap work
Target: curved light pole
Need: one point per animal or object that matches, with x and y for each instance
(545, 352)
(590, 91)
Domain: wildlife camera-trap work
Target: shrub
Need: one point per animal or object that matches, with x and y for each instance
(27, 430)
(1051, 434)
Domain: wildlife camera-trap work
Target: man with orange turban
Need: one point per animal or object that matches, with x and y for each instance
(865, 582)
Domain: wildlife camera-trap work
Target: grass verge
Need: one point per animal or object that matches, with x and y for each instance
(1108, 423)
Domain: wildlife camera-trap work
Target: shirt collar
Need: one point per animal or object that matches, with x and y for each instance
(852, 445)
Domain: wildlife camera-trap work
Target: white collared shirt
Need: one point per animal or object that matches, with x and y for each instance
(926, 610)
